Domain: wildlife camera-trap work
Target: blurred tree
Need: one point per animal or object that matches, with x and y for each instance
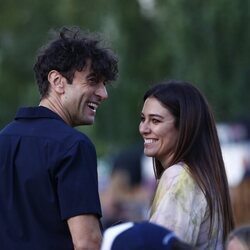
(201, 42)
(205, 42)
(208, 44)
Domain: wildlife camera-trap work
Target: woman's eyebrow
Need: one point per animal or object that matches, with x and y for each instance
(156, 115)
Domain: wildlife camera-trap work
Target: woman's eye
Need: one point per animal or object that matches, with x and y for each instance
(142, 119)
(155, 121)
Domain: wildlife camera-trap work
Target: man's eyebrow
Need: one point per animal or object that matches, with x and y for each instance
(92, 74)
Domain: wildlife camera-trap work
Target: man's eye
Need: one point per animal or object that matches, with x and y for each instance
(92, 80)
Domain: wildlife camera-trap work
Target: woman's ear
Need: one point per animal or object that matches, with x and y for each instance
(57, 81)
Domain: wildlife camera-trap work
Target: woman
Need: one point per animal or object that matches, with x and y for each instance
(192, 196)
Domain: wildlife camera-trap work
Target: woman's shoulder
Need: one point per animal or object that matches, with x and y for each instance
(175, 172)
(178, 179)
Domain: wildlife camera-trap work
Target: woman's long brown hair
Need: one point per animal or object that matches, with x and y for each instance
(197, 145)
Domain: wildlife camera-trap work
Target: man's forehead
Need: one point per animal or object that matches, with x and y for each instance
(90, 72)
(88, 65)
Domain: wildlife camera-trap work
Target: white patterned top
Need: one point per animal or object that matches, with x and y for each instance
(180, 205)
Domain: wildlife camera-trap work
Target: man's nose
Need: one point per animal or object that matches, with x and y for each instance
(102, 91)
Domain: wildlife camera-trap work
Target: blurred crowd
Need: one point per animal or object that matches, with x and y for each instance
(129, 184)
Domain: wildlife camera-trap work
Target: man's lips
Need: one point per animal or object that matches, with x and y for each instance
(93, 105)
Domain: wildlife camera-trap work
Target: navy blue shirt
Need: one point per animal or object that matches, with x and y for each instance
(48, 173)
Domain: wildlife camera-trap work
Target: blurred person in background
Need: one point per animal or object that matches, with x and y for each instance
(48, 170)
(126, 198)
(192, 196)
(141, 236)
(240, 197)
(239, 239)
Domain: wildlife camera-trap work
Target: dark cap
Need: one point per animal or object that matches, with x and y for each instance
(140, 236)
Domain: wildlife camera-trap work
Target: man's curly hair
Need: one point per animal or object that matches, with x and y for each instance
(69, 52)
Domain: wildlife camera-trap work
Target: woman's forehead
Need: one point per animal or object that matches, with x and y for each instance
(152, 106)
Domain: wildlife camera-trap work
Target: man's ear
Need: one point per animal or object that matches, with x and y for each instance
(57, 81)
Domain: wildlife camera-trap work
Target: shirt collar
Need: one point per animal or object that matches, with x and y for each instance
(36, 112)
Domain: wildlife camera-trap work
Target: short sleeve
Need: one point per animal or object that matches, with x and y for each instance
(77, 181)
(179, 205)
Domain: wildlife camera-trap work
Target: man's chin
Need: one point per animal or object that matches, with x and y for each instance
(84, 122)
(88, 122)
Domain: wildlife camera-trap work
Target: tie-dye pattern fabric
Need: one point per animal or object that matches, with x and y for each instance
(180, 205)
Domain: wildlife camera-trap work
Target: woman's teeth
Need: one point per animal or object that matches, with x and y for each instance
(149, 141)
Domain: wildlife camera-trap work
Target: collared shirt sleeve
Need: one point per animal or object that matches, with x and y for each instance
(77, 181)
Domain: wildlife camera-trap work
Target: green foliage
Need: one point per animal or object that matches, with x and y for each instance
(205, 42)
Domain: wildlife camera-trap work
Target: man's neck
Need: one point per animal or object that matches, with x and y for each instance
(55, 105)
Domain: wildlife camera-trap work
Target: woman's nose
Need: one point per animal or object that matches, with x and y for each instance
(144, 128)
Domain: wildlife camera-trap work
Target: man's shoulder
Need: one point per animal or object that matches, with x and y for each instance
(60, 133)
(76, 136)
(44, 127)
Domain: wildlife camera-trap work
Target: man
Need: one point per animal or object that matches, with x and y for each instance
(48, 172)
